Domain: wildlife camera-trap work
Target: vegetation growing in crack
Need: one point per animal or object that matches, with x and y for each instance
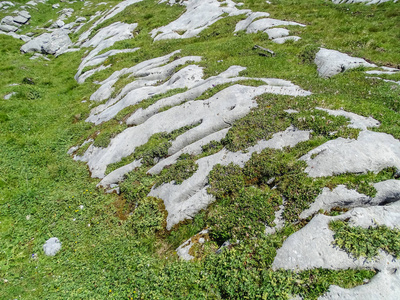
(42, 189)
(366, 242)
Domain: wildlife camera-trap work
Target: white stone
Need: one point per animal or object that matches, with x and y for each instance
(383, 286)
(312, 246)
(332, 62)
(105, 38)
(387, 191)
(275, 33)
(52, 246)
(50, 43)
(283, 40)
(371, 151)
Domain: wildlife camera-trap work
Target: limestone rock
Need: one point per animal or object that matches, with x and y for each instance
(387, 191)
(356, 121)
(105, 38)
(8, 28)
(371, 151)
(52, 246)
(184, 201)
(199, 15)
(311, 246)
(283, 40)
(48, 43)
(383, 286)
(332, 62)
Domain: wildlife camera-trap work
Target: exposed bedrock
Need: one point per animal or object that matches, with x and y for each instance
(384, 286)
(185, 200)
(213, 114)
(387, 191)
(105, 38)
(147, 85)
(371, 151)
(332, 62)
(108, 14)
(200, 14)
(49, 43)
(312, 246)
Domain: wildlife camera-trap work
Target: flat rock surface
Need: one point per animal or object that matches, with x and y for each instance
(383, 286)
(371, 151)
(312, 246)
(332, 62)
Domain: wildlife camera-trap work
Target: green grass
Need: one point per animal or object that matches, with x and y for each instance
(126, 251)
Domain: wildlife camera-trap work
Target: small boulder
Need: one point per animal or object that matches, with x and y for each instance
(52, 246)
(48, 43)
(332, 62)
(8, 28)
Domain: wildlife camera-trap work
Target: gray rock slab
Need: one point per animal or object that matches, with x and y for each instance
(98, 59)
(147, 87)
(8, 96)
(104, 17)
(242, 25)
(387, 191)
(199, 15)
(104, 38)
(230, 75)
(283, 40)
(118, 175)
(20, 19)
(267, 23)
(16, 36)
(312, 246)
(48, 43)
(332, 62)
(25, 14)
(52, 246)
(106, 86)
(192, 149)
(383, 286)
(356, 121)
(8, 20)
(184, 201)
(275, 33)
(8, 28)
(371, 151)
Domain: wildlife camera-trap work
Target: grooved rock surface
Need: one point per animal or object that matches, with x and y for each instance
(371, 151)
(199, 15)
(332, 62)
(184, 201)
(383, 286)
(387, 191)
(105, 38)
(311, 247)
